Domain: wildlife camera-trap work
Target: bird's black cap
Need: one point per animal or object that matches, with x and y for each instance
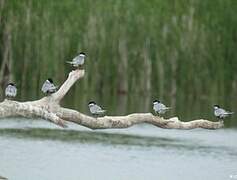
(91, 102)
(156, 101)
(82, 53)
(216, 105)
(50, 80)
(12, 84)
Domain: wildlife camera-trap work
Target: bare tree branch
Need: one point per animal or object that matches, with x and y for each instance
(48, 108)
(14, 109)
(72, 78)
(132, 119)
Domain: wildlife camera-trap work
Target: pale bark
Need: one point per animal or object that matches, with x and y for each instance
(2, 178)
(49, 109)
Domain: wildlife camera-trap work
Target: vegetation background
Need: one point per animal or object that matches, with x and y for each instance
(181, 52)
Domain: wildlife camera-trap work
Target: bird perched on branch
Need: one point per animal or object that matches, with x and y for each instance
(159, 108)
(49, 87)
(221, 113)
(10, 90)
(95, 109)
(78, 61)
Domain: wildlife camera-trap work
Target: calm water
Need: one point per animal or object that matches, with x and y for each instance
(38, 150)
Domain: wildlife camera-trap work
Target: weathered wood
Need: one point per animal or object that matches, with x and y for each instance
(2, 178)
(49, 109)
(14, 109)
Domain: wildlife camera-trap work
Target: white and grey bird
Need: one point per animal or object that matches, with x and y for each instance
(221, 113)
(159, 108)
(10, 90)
(49, 87)
(95, 109)
(78, 60)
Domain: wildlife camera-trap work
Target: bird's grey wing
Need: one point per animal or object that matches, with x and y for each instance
(52, 88)
(46, 86)
(158, 108)
(226, 112)
(162, 106)
(75, 59)
(14, 90)
(78, 60)
(98, 108)
(69, 62)
(222, 113)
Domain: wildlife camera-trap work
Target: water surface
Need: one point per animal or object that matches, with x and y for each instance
(35, 149)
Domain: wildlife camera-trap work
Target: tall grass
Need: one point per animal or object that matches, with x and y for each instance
(178, 51)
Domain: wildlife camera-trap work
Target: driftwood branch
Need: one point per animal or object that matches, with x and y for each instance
(49, 108)
(72, 78)
(15, 109)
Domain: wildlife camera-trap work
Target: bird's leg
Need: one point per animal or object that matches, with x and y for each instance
(95, 116)
(157, 114)
(221, 119)
(80, 67)
(9, 98)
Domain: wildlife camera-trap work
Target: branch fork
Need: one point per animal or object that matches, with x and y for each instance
(49, 108)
